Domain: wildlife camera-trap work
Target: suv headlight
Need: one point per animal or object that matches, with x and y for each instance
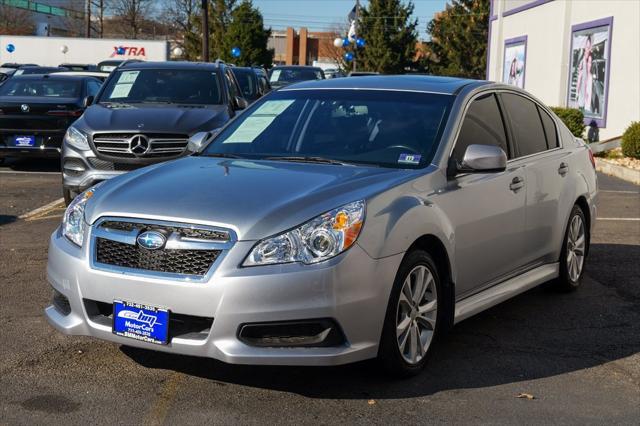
(319, 239)
(76, 138)
(73, 223)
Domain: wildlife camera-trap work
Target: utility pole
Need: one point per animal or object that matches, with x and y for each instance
(88, 35)
(205, 30)
(355, 57)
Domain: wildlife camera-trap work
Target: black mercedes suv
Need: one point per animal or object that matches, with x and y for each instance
(145, 114)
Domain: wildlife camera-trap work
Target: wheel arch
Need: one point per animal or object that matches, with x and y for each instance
(436, 248)
(584, 206)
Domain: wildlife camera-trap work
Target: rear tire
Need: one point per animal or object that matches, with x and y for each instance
(414, 316)
(574, 251)
(68, 195)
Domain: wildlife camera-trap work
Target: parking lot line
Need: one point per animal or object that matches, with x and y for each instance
(158, 411)
(630, 219)
(619, 192)
(42, 211)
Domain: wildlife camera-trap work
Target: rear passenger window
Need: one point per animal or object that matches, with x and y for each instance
(549, 129)
(527, 127)
(482, 125)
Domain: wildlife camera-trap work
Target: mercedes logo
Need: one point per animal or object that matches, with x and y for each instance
(24, 108)
(139, 145)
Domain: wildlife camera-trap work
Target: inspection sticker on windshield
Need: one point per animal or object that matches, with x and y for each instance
(141, 322)
(409, 158)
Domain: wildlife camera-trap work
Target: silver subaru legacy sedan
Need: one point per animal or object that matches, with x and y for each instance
(331, 222)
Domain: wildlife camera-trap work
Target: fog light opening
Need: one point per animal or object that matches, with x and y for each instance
(307, 333)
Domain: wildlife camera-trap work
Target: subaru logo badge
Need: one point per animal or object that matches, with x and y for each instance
(24, 108)
(151, 240)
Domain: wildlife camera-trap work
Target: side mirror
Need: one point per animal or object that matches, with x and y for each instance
(480, 159)
(197, 142)
(240, 103)
(87, 101)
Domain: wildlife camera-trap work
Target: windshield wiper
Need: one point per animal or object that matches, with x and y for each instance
(308, 159)
(221, 155)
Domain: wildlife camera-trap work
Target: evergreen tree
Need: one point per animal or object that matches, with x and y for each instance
(390, 33)
(246, 31)
(219, 19)
(458, 45)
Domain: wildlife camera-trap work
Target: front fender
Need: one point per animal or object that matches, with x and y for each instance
(399, 217)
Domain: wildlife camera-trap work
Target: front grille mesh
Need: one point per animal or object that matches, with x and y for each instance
(185, 262)
(200, 234)
(108, 165)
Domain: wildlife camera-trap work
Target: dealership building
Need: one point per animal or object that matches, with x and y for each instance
(582, 54)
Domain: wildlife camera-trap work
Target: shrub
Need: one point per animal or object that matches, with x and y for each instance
(572, 118)
(631, 141)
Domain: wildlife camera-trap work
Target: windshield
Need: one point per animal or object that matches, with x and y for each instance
(41, 88)
(248, 81)
(177, 86)
(381, 128)
(292, 75)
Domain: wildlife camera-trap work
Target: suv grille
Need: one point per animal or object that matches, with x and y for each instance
(186, 262)
(191, 233)
(154, 145)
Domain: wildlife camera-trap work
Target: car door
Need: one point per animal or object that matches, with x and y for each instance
(486, 209)
(546, 169)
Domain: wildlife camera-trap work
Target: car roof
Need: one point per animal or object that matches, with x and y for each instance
(410, 83)
(53, 76)
(181, 65)
(296, 66)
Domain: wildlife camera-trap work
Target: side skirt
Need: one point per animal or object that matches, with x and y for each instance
(477, 303)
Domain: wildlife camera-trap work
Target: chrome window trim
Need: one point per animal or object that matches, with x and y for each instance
(364, 89)
(129, 237)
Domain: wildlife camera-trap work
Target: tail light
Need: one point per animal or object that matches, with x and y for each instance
(592, 159)
(1, 112)
(63, 113)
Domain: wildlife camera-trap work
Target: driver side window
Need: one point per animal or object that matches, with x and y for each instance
(483, 125)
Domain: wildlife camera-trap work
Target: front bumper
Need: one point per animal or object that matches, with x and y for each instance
(352, 289)
(48, 145)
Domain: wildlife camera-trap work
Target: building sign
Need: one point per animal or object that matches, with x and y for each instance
(515, 58)
(128, 51)
(589, 70)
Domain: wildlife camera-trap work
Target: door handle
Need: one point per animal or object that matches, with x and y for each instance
(517, 183)
(563, 169)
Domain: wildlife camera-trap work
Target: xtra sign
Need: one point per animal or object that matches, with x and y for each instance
(130, 51)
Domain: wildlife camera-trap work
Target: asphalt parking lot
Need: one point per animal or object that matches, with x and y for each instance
(572, 358)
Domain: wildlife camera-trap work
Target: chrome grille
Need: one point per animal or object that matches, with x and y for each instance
(160, 145)
(189, 253)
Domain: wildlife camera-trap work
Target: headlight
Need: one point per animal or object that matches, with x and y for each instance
(73, 223)
(76, 138)
(319, 239)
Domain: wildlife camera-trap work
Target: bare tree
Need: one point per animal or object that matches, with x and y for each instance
(179, 18)
(98, 10)
(15, 21)
(131, 15)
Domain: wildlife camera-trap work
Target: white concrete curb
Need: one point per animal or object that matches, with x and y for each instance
(620, 172)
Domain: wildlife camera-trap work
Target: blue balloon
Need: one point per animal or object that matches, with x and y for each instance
(121, 50)
(360, 42)
(345, 42)
(348, 56)
(10, 48)
(235, 52)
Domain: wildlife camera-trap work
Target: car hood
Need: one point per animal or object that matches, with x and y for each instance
(163, 118)
(256, 199)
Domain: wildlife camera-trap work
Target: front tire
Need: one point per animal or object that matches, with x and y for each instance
(413, 316)
(574, 251)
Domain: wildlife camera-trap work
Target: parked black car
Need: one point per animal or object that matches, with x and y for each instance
(252, 84)
(16, 65)
(79, 67)
(145, 114)
(36, 110)
(284, 75)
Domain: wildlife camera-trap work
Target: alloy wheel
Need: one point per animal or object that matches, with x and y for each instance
(576, 243)
(416, 314)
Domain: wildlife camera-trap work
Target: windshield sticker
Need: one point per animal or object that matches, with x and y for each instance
(275, 75)
(409, 158)
(128, 77)
(121, 91)
(261, 118)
